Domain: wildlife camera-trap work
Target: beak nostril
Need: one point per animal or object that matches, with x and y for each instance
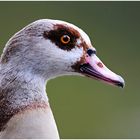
(100, 64)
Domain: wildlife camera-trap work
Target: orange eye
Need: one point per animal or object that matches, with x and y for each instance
(65, 39)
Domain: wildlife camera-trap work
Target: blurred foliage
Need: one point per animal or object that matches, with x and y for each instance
(85, 108)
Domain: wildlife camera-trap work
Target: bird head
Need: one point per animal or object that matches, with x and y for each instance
(51, 48)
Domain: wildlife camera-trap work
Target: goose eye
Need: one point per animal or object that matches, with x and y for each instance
(65, 39)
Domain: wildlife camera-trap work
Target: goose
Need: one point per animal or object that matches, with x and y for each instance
(41, 51)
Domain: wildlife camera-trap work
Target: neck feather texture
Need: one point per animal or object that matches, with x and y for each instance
(21, 91)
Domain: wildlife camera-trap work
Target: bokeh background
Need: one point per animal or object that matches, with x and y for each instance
(85, 108)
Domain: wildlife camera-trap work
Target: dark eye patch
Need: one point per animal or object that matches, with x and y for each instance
(60, 30)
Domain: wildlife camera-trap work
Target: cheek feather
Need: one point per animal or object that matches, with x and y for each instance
(82, 60)
(83, 45)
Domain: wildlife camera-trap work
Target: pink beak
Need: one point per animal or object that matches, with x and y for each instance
(95, 68)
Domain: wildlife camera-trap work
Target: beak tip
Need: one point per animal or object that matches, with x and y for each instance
(121, 85)
(121, 82)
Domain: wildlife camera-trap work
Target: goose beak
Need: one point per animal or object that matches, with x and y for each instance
(95, 68)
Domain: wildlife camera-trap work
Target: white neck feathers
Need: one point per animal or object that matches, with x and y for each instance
(25, 111)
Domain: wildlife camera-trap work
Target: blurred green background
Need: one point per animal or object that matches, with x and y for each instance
(85, 108)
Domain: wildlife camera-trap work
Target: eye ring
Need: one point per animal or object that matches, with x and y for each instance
(65, 39)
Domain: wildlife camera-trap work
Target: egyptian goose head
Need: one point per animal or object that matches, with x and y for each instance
(52, 48)
(41, 51)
